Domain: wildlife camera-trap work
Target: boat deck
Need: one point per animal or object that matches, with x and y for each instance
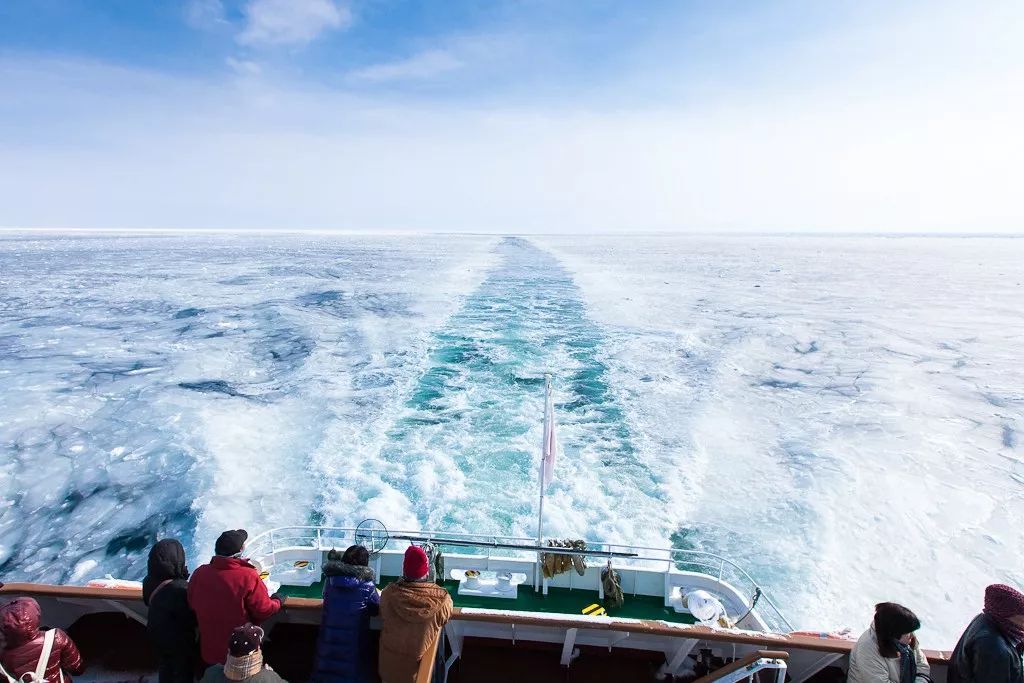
(106, 624)
(557, 601)
(291, 648)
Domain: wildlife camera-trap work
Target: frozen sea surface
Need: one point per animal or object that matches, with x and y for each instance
(842, 416)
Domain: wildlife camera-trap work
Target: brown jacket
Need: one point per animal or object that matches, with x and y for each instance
(412, 616)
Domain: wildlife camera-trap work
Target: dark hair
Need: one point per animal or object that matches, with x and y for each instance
(893, 621)
(357, 556)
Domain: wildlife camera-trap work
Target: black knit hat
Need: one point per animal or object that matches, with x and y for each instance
(231, 542)
(245, 640)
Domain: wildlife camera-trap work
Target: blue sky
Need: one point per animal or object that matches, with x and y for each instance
(490, 50)
(512, 116)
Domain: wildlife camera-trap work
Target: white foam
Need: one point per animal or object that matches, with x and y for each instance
(351, 473)
(850, 430)
(875, 468)
(111, 449)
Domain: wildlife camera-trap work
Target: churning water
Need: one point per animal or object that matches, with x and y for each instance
(842, 416)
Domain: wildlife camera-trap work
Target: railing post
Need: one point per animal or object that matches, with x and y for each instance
(721, 569)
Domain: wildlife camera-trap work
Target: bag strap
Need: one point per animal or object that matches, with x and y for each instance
(9, 677)
(44, 656)
(157, 589)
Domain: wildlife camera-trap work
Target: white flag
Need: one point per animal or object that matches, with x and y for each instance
(549, 450)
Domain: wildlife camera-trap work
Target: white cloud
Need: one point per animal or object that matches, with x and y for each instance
(244, 67)
(291, 22)
(922, 148)
(422, 66)
(205, 14)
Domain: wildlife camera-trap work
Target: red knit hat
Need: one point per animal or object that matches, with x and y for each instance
(415, 566)
(1002, 603)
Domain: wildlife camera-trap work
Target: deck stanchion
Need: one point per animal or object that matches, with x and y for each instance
(547, 446)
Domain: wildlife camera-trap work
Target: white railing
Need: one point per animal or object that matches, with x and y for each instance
(748, 667)
(321, 537)
(716, 566)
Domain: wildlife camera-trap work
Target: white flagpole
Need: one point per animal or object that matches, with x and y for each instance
(540, 477)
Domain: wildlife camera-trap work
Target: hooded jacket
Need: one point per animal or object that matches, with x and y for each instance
(225, 594)
(867, 665)
(23, 643)
(343, 652)
(412, 615)
(985, 655)
(171, 623)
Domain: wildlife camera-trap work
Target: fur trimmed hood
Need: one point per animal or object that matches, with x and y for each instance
(338, 568)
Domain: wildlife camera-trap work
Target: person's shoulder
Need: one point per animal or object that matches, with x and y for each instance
(201, 570)
(990, 643)
(175, 586)
(867, 638)
(438, 590)
(60, 637)
(214, 674)
(441, 599)
(865, 657)
(175, 592)
(242, 567)
(267, 675)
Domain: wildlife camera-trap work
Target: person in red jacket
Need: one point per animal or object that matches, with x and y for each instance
(225, 594)
(24, 642)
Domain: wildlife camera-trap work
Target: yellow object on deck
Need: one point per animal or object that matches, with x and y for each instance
(594, 610)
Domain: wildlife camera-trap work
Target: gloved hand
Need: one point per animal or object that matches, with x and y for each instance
(279, 597)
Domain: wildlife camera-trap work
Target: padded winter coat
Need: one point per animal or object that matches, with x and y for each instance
(171, 623)
(226, 594)
(985, 655)
(412, 615)
(23, 643)
(343, 653)
(867, 665)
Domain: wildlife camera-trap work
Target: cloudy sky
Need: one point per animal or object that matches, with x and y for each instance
(513, 115)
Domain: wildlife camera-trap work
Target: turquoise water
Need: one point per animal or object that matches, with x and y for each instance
(463, 449)
(786, 402)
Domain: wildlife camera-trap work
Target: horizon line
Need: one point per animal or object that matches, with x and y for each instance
(504, 233)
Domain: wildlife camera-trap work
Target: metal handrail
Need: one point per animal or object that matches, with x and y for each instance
(748, 666)
(722, 561)
(696, 557)
(687, 554)
(533, 548)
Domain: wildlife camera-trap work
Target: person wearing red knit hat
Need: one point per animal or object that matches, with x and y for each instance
(991, 648)
(413, 610)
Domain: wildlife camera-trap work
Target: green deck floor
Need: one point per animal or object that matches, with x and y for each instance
(559, 600)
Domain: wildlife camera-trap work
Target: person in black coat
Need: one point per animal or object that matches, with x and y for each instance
(990, 649)
(171, 622)
(344, 653)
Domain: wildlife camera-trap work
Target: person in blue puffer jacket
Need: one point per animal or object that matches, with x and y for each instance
(344, 653)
